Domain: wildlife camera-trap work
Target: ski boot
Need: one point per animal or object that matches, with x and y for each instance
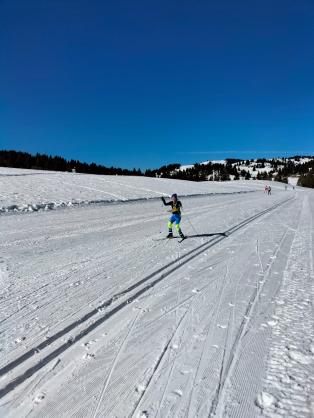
(170, 235)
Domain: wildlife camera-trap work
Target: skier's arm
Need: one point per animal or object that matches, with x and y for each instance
(165, 203)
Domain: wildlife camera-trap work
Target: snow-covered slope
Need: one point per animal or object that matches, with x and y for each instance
(29, 190)
(255, 167)
(102, 317)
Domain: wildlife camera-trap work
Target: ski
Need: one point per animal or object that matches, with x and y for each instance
(164, 238)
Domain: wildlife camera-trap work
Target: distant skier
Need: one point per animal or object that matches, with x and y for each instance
(176, 206)
(269, 190)
(266, 189)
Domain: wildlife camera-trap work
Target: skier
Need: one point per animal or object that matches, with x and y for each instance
(269, 190)
(176, 206)
(266, 189)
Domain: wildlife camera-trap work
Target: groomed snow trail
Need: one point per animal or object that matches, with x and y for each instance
(100, 318)
(289, 381)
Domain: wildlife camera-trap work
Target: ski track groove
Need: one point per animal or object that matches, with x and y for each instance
(286, 336)
(182, 260)
(171, 370)
(222, 369)
(214, 309)
(217, 403)
(55, 286)
(158, 363)
(258, 255)
(105, 385)
(181, 304)
(174, 309)
(244, 400)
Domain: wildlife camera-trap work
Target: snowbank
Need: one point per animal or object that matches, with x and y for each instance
(31, 190)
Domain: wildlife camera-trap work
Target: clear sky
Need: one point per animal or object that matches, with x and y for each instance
(143, 83)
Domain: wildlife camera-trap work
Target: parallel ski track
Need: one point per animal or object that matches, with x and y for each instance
(213, 312)
(106, 382)
(166, 347)
(226, 369)
(163, 273)
(156, 367)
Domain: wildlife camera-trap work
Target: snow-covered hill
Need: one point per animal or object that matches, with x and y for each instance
(101, 316)
(29, 190)
(257, 167)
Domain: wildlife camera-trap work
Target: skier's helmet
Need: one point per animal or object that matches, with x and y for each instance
(174, 196)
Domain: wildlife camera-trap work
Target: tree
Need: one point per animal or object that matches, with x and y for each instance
(306, 180)
(19, 159)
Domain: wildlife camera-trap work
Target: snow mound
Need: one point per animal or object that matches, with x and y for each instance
(265, 400)
(31, 191)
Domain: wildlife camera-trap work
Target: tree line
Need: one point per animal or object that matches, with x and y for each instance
(233, 168)
(38, 161)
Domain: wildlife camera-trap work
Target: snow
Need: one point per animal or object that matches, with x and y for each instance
(102, 318)
(187, 166)
(254, 167)
(215, 162)
(30, 190)
(265, 400)
(293, 180)
(290, 365)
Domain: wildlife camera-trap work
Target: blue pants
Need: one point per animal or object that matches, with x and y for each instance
(175, 218)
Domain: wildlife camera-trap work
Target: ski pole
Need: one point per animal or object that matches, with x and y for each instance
(191, 224)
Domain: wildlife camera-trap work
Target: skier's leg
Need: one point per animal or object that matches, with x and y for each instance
(178, 228)
(170, 222)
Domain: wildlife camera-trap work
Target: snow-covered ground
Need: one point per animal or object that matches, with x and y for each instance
(102, 317)
(31, 190)
(293, 181)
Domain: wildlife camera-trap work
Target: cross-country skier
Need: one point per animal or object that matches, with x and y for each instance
(176, 206)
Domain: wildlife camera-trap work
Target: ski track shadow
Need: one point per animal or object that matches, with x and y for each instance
(223, 234)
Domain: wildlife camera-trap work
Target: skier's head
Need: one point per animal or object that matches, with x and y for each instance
(174, 197)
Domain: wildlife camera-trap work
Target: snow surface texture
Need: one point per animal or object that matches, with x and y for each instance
(102, 317)
(31, 190)
(290, 367)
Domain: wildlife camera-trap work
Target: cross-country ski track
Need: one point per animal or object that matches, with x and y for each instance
(102, 318)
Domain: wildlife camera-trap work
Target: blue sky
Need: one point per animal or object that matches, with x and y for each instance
(143, 83)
